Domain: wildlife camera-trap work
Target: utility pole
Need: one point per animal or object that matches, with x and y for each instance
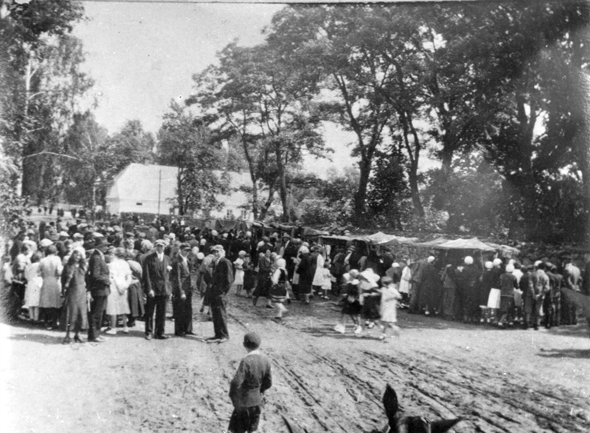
(159, 190)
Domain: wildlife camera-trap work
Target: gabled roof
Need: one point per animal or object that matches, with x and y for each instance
(147, 181)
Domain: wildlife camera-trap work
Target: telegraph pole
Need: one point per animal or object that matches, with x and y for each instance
(159, 190)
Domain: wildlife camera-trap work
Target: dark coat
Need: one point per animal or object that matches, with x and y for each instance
(222, 278)
(252, 379)
(156, 275)
(98, 278)
(180, 277)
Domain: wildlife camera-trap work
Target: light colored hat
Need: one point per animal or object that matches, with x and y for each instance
(200, 256)
(304, 250)
(497, 262)
(510, 269)
(281, 263)
(217, 248)
(78, 235)
(369, 274)
(147, 244)
(468, 260)
(63, 234)
(160, 242)
(353, 273)
(395, 265)
(242, 253)
(431, 259)
(45, 242)
(489, 265)
(214, 233)
(203, 241)
(538, 262)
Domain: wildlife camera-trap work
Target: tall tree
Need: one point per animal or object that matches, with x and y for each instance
(44, 66)
(87, 161)
(256, 96)
(185, 143)
(329, 40)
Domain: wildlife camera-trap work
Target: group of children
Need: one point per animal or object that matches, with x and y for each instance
(363, 298)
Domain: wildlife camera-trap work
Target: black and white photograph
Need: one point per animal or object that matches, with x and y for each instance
(338, 217)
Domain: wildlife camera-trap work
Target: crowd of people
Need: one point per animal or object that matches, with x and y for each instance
(109, 275)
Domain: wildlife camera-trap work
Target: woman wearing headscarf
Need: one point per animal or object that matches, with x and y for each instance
(370, 297)
(75, 295)
(468, 280)
(318, 272)
(279, 291)
(306, 272)
(50, 269)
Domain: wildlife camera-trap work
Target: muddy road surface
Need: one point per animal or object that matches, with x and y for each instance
(496, 380)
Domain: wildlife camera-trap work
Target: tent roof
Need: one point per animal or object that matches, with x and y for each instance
(465, 244)
(430, 244)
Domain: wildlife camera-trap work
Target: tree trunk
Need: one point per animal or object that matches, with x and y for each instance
(269, 200)
(28, 164)
(282, 183)
(579, 90)
(413, 173)
(361, 194)
(181, 207)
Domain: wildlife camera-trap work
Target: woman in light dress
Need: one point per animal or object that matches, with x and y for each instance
(50, 269)
(121, 278)
(388, 307)
(318, 276)
(33, 289)
(239, 274)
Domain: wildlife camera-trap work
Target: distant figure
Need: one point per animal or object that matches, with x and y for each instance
(247, 387)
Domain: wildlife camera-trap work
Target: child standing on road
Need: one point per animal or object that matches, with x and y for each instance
(351, 305)
(247, 387)
(326, 280)
(388, 307)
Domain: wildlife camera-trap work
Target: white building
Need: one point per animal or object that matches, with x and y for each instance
(148, 189)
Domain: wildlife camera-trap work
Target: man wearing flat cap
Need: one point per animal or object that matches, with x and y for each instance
(182, 295)
(99, 288)
(156, 285)
(221, 281)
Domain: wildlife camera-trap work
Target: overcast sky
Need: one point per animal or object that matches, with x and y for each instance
(143, 55)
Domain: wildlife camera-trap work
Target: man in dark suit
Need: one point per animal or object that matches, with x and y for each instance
(251, 380)
(182, 295)
(99, 288)
(221, 282)
(156, 284)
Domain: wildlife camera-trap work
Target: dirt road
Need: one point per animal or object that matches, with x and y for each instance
(496, 380)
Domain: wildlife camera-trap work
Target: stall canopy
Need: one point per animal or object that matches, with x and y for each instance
(465, 244)
(384, 240)
(429, 244)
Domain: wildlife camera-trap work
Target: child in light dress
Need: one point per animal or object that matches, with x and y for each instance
(239, 274)
(388, 307)
(327, 279)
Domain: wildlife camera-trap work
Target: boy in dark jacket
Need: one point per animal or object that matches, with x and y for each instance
(247, 387)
